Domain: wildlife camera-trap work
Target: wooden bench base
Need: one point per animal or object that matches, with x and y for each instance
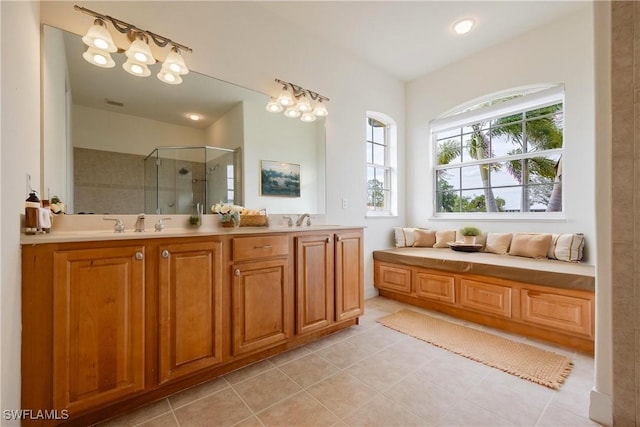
(560, 316)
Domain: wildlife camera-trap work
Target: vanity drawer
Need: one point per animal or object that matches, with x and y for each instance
(250, 248)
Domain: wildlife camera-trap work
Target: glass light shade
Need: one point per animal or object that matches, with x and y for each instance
(98, 37)
(98, 57)
(167, 76)
(292, 112)
(320, 110)
(274, 107)
(303, 105)
(136, 68)
(308, 117)
(285, 99)
(140, 52)
(175, 62)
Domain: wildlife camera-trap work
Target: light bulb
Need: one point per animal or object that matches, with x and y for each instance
(98, 57)
(308, 117)
(175, 62)
(285, 99)
(168, 76)
(274, 107)
(292, 113)
(320, 110)
(98, 36)
(136, 68)
(140, 51)
(463, 26)
(303, 104)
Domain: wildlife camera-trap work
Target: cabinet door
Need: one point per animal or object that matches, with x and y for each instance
(437, 287)
(570, 313)
(392, 278)
(349, 267)
(190, 286)
(98, 325)
(486, 297)
(261, 305)
(314, 282)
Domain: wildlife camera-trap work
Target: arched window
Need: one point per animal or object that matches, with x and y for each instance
(381, 165)
(503, 154)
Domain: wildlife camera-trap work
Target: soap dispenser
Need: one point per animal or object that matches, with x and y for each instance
(31, 213)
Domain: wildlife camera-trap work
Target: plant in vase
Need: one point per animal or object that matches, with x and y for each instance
(229, 214)
(469, 234)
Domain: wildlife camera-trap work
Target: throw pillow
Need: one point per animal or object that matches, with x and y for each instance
(403, 236)
(424, 238)
(497, 243)
(443, 237)
(566, 247)
(530, 245)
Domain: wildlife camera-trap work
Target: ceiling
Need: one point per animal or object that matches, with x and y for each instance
(408, 39)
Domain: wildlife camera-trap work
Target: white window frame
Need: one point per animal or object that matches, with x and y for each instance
(464, 117)
(390, 166)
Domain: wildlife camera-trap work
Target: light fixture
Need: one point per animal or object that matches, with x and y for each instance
(193, 116)
(98, 57)
(98, 37)
(298, 102)
(274, 107)
(292, 112)
(463, 26)
(308, 117)
(139, 54)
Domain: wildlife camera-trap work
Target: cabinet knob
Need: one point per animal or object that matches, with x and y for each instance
(165, 254)
(139, 256)
(236, 272)
(328, 240)
(339, 239)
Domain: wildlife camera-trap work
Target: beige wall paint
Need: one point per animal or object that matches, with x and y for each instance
(625, 91)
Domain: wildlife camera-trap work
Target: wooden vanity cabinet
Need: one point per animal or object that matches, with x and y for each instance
(349, 275)
(261, 293)
(109, 326)
(190, 307)
(314, 281)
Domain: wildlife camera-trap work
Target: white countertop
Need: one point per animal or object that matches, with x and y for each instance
(80, 228)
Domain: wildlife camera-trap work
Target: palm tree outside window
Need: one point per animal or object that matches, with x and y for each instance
(501, 156)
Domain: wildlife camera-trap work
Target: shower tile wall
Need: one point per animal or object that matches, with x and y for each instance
(107, 182)
(625, 94)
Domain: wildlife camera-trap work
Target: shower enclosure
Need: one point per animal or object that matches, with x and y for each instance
(177, 179)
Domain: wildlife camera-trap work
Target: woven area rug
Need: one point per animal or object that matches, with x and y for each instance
(522, 360)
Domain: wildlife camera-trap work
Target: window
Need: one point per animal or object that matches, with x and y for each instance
(504, 155)
(381, 163)
(230, 185)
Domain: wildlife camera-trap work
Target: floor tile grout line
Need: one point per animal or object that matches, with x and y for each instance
(254, 413)
(146, 420)
(173, 412)
(197, 399)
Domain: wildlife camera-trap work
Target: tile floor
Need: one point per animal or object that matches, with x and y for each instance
(369, 375)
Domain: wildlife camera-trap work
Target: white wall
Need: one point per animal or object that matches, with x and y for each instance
(228, 130)
(241, 42)
(98, 129)
(294, 142)
(19, 155)
(560, 52)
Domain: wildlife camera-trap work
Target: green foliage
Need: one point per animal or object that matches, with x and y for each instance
(470, 231)
(375, 194)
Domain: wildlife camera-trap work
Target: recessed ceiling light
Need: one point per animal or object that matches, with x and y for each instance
(194, 117)
(463, 26)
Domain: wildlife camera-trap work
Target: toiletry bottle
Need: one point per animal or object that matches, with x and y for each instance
(31, 213)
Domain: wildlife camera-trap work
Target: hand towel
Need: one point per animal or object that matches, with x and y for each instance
(44, 217)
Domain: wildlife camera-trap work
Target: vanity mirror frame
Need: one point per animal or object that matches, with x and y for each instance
(264, 135)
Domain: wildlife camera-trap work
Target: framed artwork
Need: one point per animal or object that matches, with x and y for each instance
(279, 179)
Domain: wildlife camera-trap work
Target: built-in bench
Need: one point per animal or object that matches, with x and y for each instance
(540, 298)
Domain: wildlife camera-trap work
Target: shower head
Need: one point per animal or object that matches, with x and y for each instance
(183, 171)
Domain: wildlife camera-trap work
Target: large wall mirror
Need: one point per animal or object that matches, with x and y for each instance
(119, 144)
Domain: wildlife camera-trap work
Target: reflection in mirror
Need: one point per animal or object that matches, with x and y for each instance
(100, 124)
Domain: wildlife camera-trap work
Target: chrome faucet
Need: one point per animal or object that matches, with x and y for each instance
(301, 219)
(118, 226)
(289, 221)
(140, 223)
